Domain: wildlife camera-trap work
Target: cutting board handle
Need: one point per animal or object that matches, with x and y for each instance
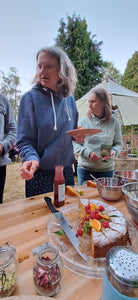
(50, 205)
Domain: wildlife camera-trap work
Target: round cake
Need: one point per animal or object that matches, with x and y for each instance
(101, 227)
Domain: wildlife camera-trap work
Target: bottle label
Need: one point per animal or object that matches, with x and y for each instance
(61, 192)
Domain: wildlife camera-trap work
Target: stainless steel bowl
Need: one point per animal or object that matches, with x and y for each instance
(110, 189)
(130, 191)
(126, 176)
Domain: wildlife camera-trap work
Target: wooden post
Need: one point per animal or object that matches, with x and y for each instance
(132, 138)
(110, 99)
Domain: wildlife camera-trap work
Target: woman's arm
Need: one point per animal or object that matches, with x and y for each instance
(26, 130)
(118, 141)
(9, 129)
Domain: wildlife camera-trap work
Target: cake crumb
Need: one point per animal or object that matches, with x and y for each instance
(22, 257)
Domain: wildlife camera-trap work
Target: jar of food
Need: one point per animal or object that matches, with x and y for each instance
(106, 151)
(8, 270)
(47, 270)
(121, 274)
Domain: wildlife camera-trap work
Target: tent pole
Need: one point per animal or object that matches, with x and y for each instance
(132, 138)
(110, 99)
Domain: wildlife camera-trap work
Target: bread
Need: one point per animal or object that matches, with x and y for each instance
(70, 191)
(91, 184)
(22, 257)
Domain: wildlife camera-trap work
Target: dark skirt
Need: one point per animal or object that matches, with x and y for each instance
(43, 180)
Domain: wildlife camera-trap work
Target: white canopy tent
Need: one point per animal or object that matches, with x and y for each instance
(124, 100)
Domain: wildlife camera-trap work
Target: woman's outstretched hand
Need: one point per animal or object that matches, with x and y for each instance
(28, 169)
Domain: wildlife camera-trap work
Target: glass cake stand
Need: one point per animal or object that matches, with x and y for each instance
(94, 267)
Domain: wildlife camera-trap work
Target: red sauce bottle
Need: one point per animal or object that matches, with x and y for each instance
(59, 187)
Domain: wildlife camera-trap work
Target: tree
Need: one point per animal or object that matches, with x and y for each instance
(130, 77)
(111, 70)
(84, 52)
(9, 87)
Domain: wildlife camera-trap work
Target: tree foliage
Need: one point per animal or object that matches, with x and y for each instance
(130, 77)
(110, 69)
(9, 87)
(83, 50)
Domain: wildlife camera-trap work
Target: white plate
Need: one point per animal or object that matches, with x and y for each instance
(94, 267)
(82, 132)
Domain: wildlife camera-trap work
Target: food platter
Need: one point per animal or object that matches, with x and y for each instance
(83, 132)
(94, 267)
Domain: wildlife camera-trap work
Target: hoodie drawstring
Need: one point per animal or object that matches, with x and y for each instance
(69, 119)
(55, 119)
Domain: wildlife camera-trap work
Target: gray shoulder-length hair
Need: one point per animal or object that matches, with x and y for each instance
(102, 95)
(67, 73)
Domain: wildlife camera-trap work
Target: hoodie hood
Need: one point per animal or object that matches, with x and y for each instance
(52, 94)
(102, 119)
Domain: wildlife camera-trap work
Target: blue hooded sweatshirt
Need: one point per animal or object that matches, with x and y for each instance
(43, 119)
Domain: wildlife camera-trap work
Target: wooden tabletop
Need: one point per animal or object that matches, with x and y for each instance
(23, 224)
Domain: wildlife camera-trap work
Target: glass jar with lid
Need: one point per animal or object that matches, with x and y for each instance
(47, 269)
(121, 274)
(8, 270)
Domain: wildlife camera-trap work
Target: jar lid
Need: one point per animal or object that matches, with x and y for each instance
(44, 251)
(122, 265)
(6, 255)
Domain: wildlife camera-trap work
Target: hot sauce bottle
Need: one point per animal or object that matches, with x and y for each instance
(59, 187)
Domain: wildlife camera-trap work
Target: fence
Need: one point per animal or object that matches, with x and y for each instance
(127, 138)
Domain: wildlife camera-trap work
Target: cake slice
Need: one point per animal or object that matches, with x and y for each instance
(92, 184)
(70, 191)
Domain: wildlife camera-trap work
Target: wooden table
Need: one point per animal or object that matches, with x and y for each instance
(23, 224)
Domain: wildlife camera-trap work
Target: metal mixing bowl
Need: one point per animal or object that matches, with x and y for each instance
(110, 189)
(130, 191)
(126, 176)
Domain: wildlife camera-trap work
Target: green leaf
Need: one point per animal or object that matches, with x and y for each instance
(60, 232)
(86, 227)
(102, 220)
(81, 193)
(114, 216)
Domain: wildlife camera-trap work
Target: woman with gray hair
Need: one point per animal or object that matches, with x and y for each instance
(96, 153)
(46, 112)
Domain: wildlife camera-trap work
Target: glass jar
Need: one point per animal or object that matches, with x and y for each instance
(47, 270)
(121, 274)
(8, 271)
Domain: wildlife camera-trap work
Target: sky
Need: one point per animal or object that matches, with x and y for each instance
(28, 25)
